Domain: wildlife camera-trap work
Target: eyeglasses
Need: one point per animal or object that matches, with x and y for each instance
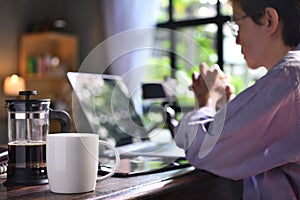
(234, 26)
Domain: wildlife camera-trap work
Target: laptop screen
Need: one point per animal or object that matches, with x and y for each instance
(107, 107)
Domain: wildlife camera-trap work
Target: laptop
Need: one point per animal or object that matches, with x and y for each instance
(102, 105)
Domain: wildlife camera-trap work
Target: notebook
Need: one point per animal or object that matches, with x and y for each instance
(102, 105)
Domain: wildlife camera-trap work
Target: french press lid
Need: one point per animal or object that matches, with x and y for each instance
(27, 104)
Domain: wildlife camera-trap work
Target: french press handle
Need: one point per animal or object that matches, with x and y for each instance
(63, 118)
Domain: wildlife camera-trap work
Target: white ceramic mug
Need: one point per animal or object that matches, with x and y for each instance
(72, 162)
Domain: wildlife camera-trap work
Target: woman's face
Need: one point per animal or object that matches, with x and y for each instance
(250, 38)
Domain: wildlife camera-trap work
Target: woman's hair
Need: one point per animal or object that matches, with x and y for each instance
(288, 11)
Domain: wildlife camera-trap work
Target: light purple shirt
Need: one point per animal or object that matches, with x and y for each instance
(255, 137)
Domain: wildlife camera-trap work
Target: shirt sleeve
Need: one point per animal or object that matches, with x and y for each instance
(255, 132)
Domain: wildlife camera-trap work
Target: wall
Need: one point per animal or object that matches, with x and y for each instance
(83, 19)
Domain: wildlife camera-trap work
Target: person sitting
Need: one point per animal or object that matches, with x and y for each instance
(254, 136)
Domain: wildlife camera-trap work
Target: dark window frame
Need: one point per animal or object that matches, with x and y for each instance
(219, 20)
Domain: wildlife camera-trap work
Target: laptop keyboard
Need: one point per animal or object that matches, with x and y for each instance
(138, 147)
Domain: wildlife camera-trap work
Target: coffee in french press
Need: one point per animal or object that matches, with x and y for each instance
(28, 125)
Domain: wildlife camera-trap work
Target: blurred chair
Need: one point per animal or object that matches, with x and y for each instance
(165, 94)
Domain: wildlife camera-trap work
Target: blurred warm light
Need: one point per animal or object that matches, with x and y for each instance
(13, 84)
(55, 61)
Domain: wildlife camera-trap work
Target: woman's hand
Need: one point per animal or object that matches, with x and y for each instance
(212, 87)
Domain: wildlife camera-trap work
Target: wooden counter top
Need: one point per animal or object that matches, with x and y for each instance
(186, 183)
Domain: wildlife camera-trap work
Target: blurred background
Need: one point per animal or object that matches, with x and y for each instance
(42, 40)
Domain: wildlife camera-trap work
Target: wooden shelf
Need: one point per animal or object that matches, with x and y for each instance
(45, 77)
(34, 47)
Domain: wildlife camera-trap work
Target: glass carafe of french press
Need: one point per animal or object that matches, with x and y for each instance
(28, 125)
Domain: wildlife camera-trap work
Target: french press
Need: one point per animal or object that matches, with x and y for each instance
(28, 125)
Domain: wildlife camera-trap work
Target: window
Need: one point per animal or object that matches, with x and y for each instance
(203, 21)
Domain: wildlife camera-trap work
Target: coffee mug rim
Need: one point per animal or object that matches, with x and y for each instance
(72, 135)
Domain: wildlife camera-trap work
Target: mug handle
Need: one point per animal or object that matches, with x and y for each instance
(117, 156)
